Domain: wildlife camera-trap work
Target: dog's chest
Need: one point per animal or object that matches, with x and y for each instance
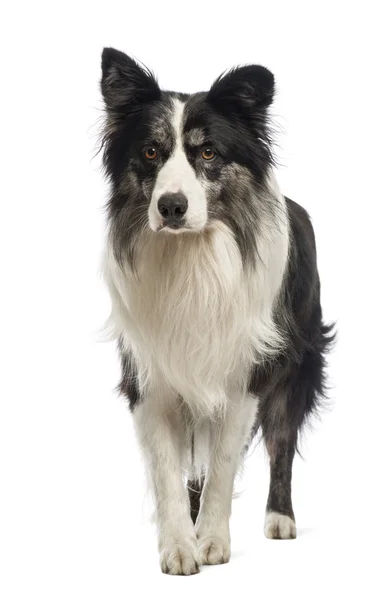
(190, 316)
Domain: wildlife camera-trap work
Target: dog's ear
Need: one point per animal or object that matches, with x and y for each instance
(125, 85)
(246, 91)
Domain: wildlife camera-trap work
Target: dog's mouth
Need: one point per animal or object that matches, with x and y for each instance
(175, 228)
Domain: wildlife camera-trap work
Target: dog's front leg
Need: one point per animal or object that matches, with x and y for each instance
(161, 435)
(229, 438)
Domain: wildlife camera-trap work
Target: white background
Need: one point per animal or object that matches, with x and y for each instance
(74, 518)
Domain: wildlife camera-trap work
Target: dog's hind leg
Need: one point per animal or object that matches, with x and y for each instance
(280, 520)
(195, 488)
(296, 379)
(281, 415)
(280, 418)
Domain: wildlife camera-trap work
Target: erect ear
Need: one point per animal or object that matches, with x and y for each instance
(247, 91)
(125, 85)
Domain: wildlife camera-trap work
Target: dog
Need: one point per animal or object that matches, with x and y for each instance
(215, 299)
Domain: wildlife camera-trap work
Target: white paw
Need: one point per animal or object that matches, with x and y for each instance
(179, 559)
(279, 527)
(214, 550)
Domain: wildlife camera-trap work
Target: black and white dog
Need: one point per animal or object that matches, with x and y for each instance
(215, 298)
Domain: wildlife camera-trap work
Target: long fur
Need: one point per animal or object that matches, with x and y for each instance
(192, 316)
(215, 306)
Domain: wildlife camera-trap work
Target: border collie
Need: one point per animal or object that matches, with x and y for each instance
(215, 299)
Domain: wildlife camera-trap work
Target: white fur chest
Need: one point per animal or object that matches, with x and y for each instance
(192, 317)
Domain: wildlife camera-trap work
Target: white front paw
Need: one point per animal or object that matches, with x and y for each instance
(179, 558)
(214, 550)
(213, 543)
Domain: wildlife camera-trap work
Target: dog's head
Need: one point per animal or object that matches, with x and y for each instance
(180, 162)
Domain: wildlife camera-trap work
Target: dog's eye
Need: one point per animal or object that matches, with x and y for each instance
(150, 153)
(208, 154)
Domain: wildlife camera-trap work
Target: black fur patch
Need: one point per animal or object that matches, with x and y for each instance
(195, 491)
(128, 385)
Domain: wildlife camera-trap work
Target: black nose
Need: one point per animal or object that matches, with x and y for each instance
(172, 207)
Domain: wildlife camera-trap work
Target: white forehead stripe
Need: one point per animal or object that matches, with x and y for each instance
(177, 175)
(177, 121)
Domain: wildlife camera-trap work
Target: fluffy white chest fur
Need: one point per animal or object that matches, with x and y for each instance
(192, 316)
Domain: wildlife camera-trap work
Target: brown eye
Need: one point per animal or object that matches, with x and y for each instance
(208, 154)
(151, 153)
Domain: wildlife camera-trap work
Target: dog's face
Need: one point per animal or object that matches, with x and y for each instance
(180, 162)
